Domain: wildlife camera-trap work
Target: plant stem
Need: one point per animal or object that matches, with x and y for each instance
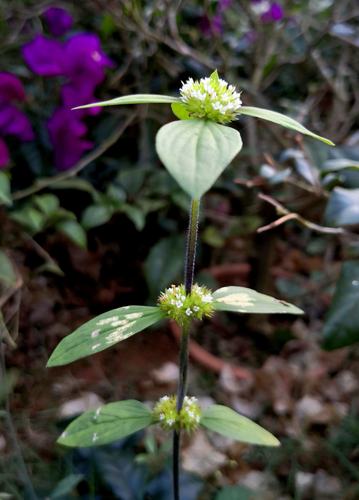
(183, 370)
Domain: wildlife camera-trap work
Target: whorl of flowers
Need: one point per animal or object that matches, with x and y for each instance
(183, 308)
(188, 418)
(211, 98)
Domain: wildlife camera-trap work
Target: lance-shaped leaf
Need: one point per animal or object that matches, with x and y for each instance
(107, 424)
(279, 119)
(133, 99)
(104, 331)
(231, 424)
(195, 152)
(244, 300)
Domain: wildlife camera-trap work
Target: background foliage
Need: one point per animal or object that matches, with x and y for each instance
(103, 227)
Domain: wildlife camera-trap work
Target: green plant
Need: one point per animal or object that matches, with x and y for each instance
(195, 150)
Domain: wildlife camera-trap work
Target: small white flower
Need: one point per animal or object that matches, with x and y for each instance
(164, 398)
(195, 308)
(207, 298)
(188, 311)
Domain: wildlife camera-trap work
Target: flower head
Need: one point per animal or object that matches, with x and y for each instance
(45, 57)
(268, 11)
(58, 20)
(183, 308)
(211, 98)
(166, 414)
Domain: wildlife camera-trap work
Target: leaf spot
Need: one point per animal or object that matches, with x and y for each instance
(119, 322)
(236, 299)
(96, 346)
(106, 321)
(134, 315)
(95, 333)
(94, 437)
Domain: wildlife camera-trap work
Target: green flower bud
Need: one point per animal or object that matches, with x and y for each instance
(184, 308)
(211, 98)
(165, 413)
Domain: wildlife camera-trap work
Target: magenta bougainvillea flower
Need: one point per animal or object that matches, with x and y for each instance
(12, 120)
(268, 11)
(58, 20)
(67, 133)
(82, 63)
(44, 56)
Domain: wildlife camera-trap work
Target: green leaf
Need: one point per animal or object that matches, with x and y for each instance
(32, 219)
(96, 215)
(7, 272)
(244, 300)
(339, 164)
(107, 424)
(47, 203)
(104, 331)
(133, 99)
(5, 193)
(235, 493)
(180, 111)
(164, 263)
(279, 119)
(135, 214)
(343, 207)
(231, 424)
(74, 231)
(196, 152)
(341, 326)
(65, 486)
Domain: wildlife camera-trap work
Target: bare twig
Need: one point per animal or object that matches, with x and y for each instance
(288, 215)
(41, 184)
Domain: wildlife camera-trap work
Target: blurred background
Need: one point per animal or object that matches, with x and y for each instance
(90, 220)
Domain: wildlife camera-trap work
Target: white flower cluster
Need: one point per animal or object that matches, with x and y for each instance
(181, 307)
(211, 98)
(188, 418)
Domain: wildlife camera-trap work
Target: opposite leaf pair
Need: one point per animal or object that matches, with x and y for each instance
(118, 420)
(116, 325)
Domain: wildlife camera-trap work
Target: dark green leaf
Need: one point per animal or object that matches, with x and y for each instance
(7, 272)
(133, 99)
(107, 424)
(341, 326)
(343, 207)
(65, 486)
(195, 152)
(5, 193)
(279, 119)
(135, 214)
(30, 218)
(244, 300)
(74, 231)
(104, 331)
(164, 264)
(231, 424)
(47, 203)
(96, 215)
(235, 493)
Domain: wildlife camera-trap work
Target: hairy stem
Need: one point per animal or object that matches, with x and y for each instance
(182, 385)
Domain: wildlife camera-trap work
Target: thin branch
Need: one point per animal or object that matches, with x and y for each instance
(41, 184)
(288, 215)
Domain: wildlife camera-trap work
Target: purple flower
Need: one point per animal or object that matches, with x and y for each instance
(58, 20)
(67, 136)
(84, 59)
(15, 122)
(268, 11)
(77, 93)
(12, 120)
(11, 89)
(4, 154)
(44, 56)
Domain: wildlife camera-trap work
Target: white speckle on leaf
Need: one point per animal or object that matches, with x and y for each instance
(94, 437)
(236, 299)
(96, 346)
(63, 435)
(122, 332)
(119, 322)
(134, 315)
(106, 321)
(98, 411)
(95, 333)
